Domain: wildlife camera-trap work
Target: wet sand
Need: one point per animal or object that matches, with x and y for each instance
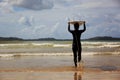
(60, 76)
(59, 68)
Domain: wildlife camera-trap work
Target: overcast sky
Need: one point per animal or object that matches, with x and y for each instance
(48, 18)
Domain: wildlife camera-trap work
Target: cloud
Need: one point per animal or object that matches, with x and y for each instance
(28, 21)
(32, 4)
(107, 25)
(100, 19)
(5, 7)
(41, 31)
(118, 1)
(66, 3)
(94, 4)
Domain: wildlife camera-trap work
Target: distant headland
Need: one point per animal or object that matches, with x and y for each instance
(99, 38)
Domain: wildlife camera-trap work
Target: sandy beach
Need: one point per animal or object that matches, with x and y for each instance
(59, 68)
(59, 76)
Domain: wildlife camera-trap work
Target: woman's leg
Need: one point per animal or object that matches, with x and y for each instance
(75, 55)
(79, 54)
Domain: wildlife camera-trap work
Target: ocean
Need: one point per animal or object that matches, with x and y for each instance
(57, 48)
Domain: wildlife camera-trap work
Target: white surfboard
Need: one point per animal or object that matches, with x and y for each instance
(80, 22)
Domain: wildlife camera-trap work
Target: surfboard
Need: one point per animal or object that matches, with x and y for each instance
(73, 22)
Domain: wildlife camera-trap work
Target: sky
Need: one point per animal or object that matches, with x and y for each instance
(32, 19)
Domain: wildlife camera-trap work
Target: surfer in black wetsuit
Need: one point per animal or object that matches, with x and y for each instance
(76, 45)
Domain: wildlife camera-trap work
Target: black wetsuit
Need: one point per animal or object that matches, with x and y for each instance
(76, 45)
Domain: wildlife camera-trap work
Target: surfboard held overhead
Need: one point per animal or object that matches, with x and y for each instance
(80, 22)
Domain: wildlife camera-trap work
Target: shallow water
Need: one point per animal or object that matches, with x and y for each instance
(38, 62)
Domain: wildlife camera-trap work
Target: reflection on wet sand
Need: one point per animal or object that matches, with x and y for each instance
(78, 75)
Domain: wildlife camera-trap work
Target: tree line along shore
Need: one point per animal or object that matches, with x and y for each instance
(99, 38)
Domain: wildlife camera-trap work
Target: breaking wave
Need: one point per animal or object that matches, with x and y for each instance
(55, 48)
(55, 54)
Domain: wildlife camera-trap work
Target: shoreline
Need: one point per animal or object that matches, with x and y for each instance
(59, 63)
(3, 55)
(60, 69)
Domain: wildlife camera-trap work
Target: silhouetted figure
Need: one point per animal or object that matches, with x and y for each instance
(76, 45)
